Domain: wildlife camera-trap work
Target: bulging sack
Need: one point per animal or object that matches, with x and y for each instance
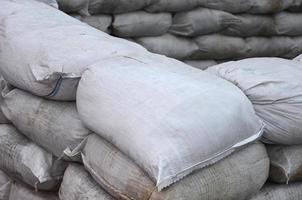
(53, 64)
(140, 24)
(100, 22)
(246, 170)
(5, 186)
(74, 6)
(164, 114)
(288, 24)
(78, 184)
(280, 192)
(286, 163)
(171, 5)
(41, 171)
(274, 86)
(53, 125)
(232, 6)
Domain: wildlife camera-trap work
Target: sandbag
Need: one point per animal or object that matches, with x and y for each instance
(235, 177)
(169, 45)
(3, 84)
(117, 6)
(78, 184)
(247, 25)
(22, 192)
(280, 192)
(140, 24)
(201, 64)
(171, 5)
(5, 186)
(271, 6)
(52, 3)
(232, 6)
(274, 86)
(219, 47)
(286, 163)
(284, 47)
(200, 21)
(53, 125)
(288, 24)
(74, 6)
(100, 22)
(149, 108)
(53, 64)
(28, 162)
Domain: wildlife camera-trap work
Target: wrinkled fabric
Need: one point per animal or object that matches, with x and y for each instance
(5, 186)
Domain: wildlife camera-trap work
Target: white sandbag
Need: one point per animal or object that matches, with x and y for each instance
(274, 46)
(286, 163)
(22, 192)
(288, 24)
(201, 64)
(5, 186)
(232, 6)
(78, 184)
(53, 125)
(200, 21)
(150, 108)
(169, 45)
(171, 5)
(117, 6)
(274, 86)
(140, 24)
(236, 177)
(53, 64)
(100, 22)
(280, 192)
(74, 6)
(28, 162)
(247, 25)
(52, 3)
(219, 47)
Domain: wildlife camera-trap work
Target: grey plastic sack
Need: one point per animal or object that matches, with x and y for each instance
(5, 186)
(271, 6)
(200, 21)
(53, 64)
(169, 45)
(41, 171)
(100, 22)
(140, 24)
(286, 163)
(154, 108)
(53, 125)
(280, 192)
(236, 177)
(74, 6)
(274, 86)
(232, 6)
(288, 24)
(171, 5)
(78, 185)
(201, 64)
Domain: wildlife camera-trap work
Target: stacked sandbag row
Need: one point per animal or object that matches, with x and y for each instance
(143, 126)
(274, 86)
(200, 32)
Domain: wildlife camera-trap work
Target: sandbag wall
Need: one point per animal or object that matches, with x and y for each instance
(200, 32)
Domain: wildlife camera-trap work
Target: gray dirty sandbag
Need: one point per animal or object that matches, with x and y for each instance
(100, 22)
(201, 64)
(297, 8)
(117, 6)
(274, 46)
(152, 112)
(140, 24)
(236, 177)
(5, 186)
(288, 23)
(286, 163)
(52, 3)
(274, 86)
(172, 5)
(219, 47)
(247, 25)
(3, 85)
(169, 45)
(78, 185)
(272, 6)
(53, 64)
(200, 21)
(22, 192)
(232, 6)
(280, 192)
(74, 6)
(54, 125)
(28, 162)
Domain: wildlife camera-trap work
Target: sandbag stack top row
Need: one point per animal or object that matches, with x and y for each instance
(200, 32)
